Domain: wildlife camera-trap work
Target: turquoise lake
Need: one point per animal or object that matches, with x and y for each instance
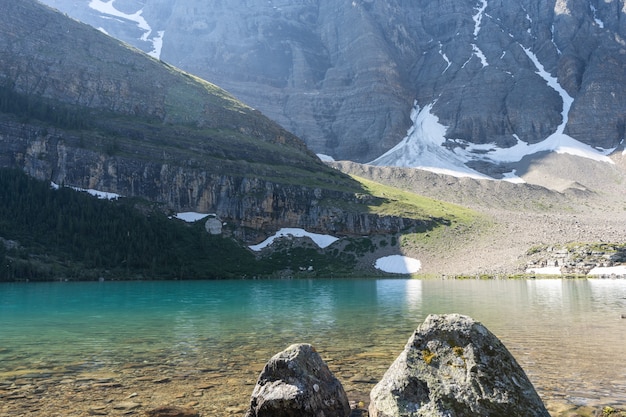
(567, 334)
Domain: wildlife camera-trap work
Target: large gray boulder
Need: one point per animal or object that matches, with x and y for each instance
(297, 383)
(453, 366)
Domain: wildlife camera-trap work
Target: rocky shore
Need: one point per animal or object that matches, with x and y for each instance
(188, 387)
(565, 201)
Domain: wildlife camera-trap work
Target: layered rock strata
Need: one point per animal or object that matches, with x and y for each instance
(344, 75)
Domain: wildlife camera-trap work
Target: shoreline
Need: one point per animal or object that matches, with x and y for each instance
(134, 389)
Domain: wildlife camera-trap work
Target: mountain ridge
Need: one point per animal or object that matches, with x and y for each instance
(346, 76)
(189, 146)
(82, 109)
(147, 128)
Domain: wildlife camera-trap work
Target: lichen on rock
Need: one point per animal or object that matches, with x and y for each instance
(454, 366)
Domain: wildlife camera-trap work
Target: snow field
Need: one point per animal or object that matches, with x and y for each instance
(107, 7)
(398, 264)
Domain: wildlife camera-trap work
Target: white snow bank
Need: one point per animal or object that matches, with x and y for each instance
(96, 193)
(100, 194)
(325, 158)
(423, 147)
(190, 216)
(398, 264)
(608, 270)
(320, 240)
(107, 7)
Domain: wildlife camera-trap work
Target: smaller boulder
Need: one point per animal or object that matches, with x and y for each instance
(453, 366)
(297, 383)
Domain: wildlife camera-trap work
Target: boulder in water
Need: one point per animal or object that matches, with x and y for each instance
(454, 366)
(297, 383)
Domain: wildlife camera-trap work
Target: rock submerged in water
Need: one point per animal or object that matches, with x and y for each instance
(297, 383)
(454, 366)
(172, 411)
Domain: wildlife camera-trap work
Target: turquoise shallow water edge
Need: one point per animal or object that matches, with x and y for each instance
(567, 334)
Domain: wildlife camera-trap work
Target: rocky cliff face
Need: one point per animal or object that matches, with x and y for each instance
(250, 205)
(344, 75)
(81, 109)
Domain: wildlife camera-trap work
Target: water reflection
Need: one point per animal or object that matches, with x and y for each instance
(413, 297)
(547, 294)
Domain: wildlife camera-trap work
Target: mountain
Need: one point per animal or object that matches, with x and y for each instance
(477, 85)
(82, 109)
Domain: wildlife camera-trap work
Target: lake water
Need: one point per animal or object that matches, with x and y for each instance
(567, 334)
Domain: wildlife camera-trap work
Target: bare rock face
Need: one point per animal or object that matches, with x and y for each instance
(297, 383)
(454, 366)
(257, 204)
(343, 76)
(81, 109)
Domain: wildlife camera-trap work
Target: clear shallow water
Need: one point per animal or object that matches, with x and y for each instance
(567, 334)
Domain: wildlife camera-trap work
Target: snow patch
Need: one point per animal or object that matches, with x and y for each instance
(107, 7)
(398, 264)
(325, 158)
(480, 55)
(554, 84)
(445, 57)
(552, 30)
(157, 43)
(423, 145)
(100, 194)
(190, 216)
(103, 195)
(422, 148)
(594, 11)
(608, 270)
(557, 142)
(320, 240)
(512, 177)
(478, 17)
(563, 142)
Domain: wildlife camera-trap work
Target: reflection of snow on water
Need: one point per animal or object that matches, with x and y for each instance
(547, 292)
(413, 296)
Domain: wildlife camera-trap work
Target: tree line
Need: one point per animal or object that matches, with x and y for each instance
(51, 234)
(63, 233)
